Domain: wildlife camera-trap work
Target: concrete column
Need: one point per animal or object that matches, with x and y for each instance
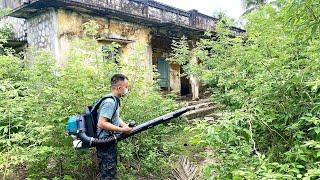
(175, 82)
(194, 81)
(149, 67)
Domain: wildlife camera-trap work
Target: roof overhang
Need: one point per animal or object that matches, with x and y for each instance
(35, 7)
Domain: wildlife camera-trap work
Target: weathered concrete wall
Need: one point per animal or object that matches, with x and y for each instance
(194, 80)
(136, 11)
(12, 4)
(143, 12)
(158, 11)
(175, 84)
(42, 31)
(135, 36)
(148, 9)
(55, 29)
(18, 26)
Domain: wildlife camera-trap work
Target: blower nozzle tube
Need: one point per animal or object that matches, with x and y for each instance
(138, 129)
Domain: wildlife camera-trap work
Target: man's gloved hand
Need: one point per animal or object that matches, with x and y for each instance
(132, 124)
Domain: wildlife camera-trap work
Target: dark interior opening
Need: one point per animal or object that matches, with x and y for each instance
(185, 84)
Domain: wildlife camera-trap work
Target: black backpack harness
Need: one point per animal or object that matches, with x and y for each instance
(98, 106)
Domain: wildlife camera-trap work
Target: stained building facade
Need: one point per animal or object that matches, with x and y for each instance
(54, 24)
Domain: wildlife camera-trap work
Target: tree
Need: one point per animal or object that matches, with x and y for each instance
(268, 81)
(251, 5)
(222, 16)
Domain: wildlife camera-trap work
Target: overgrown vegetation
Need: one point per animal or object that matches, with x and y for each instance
(38, 96)
(267, 78)
(5, 33)
(269, 81)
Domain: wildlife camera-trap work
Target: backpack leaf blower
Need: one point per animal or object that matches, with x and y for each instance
(83, 127)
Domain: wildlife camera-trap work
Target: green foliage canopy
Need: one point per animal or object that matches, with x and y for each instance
(268, 79)
(37, 96)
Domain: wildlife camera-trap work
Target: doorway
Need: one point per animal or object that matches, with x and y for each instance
(163, 70)
(185, 84)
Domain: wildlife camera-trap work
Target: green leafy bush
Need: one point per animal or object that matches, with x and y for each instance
(38, 96)
(268, 79)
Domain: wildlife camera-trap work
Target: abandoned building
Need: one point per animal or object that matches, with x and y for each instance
(53, 24)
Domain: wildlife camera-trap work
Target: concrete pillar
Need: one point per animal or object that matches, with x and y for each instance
(194, 80)
(149, 67)
(175, 82)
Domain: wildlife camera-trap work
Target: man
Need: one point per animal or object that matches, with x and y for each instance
(110, 122)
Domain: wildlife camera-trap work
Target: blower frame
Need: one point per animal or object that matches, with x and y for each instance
(77, 127)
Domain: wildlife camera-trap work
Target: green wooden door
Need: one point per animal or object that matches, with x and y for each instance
(163, 69)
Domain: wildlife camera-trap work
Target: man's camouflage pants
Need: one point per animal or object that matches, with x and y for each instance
(108, 161)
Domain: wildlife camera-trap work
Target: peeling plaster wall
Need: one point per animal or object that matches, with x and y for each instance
(55, 29)
(70, 27)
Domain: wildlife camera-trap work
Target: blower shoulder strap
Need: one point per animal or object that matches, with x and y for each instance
(99, 102)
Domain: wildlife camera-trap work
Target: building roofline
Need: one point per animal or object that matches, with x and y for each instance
(191, 18)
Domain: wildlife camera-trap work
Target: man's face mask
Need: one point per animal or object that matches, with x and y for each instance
(125, 91)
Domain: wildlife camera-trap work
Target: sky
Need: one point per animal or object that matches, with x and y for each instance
(231, 7)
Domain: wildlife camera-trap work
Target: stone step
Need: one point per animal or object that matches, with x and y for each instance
(201, 101)
(202, 105)
(202, 112)
(196, 104)
(215, 115)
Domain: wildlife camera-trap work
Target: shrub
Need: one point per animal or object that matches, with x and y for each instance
(38, 96)
(268, 79)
